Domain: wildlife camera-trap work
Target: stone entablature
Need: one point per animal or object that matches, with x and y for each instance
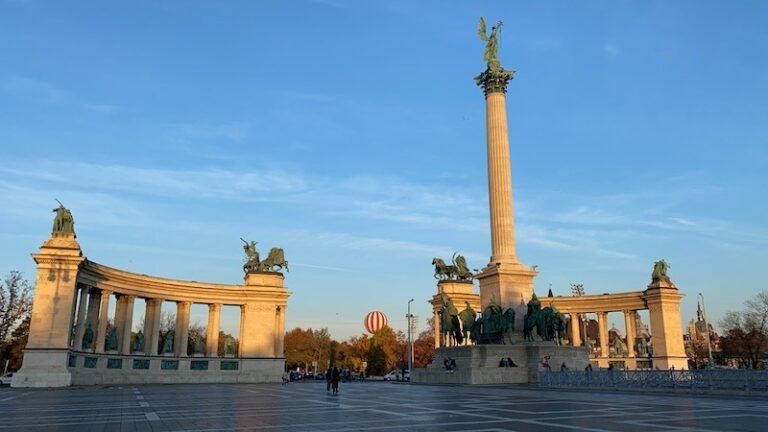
(268, 288)
(634, 300)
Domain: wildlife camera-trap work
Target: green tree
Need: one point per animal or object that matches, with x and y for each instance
(15, 313)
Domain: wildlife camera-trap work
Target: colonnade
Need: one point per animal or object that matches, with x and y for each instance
(92, 310)
(576, 327)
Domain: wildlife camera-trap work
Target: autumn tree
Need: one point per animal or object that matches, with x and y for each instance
(303, 348)
(15, 314)
(424, 346)
(386, 351)
(746, 331)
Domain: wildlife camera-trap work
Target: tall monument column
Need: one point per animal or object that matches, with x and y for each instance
(505, 280)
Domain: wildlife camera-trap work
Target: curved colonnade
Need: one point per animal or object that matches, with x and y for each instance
(70, 322)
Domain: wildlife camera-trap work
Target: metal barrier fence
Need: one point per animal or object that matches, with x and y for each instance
(694, 380)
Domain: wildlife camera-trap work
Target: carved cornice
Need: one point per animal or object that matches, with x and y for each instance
(494, 80)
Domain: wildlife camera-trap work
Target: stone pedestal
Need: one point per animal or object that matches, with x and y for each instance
(663, 301)
(45, 356)
(262, 320)
(479, 364)
(510, 286)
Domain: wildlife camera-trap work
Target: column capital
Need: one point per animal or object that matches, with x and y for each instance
(154, 301)
(183, 303)
(494, 80)
(214, 307)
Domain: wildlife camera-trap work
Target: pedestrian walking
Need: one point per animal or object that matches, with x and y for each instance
(328, 376)
(335, 380)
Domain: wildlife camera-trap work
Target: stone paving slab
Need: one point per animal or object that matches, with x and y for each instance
(368, 406)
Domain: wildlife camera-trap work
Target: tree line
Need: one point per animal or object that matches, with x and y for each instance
(314, 350)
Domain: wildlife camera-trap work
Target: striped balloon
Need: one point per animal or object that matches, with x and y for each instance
(374, 321)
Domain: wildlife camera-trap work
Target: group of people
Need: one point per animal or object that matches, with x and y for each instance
(449, 364)
(507, 362)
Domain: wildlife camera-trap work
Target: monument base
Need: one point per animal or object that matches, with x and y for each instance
(479, 364)
(43, 368)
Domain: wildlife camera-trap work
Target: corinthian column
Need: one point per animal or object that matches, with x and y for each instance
(499, 169)
(505, 281)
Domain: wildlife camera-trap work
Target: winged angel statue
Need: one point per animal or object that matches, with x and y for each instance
(491, 54)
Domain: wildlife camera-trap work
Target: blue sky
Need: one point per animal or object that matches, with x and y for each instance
(352, 135)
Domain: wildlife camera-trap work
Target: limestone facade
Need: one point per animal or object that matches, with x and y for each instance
(72, 299)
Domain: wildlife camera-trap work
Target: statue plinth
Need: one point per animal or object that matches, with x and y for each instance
(663, 300)
(509, 286)
(264, 279)
(662, 283)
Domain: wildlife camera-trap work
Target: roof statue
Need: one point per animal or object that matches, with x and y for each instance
(275, 260)
(660, 271)
(491, 53)
(63, 222)
(495, 77)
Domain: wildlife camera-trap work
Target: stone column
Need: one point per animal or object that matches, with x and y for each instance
(280, 333)
(499, 180)
(575, 330)
(437, 325)
(81, 309)
(212, 338)
(101, 332)
(505, 280)
(181, 337)
(629, 323)
(124, 339)
(94, 302)
(602, 324)
(119, 319)
(247, 318)
(152, 326)
(149, 307)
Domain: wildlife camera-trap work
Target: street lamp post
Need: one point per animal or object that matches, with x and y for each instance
(410, 343)
(578, 291)
(706, 324)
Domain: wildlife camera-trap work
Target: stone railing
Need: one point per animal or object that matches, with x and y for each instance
(693, 380)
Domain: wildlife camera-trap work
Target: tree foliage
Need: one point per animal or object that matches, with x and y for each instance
(303, 347)
(15, 314)
(746, 332)
(424, 346)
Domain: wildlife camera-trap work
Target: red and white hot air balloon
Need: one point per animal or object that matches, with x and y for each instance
(374, 321)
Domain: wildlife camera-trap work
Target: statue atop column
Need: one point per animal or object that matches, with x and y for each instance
(660, 271)
(495, 77)
(63, 222)
(274, 262)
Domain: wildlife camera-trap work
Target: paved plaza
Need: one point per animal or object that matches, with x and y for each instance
(368, 406)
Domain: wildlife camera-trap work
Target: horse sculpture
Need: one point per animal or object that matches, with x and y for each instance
(274, 261)
(450, 325)
(532, 319)
(456, 271)
(443, 271)
(468, 317)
